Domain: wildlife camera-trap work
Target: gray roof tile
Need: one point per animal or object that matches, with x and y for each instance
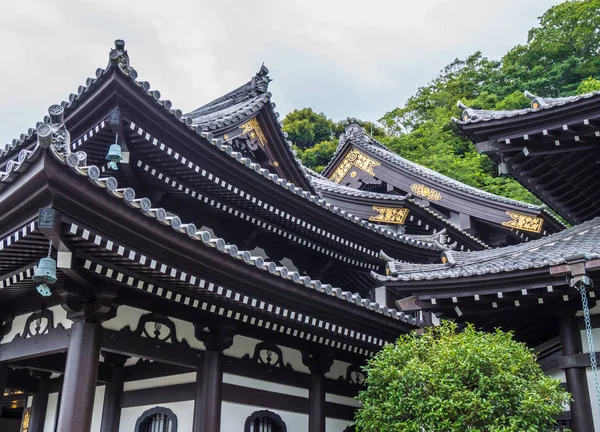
(548, 251)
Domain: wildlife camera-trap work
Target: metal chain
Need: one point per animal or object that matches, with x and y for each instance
(590, 338)
(50, 248)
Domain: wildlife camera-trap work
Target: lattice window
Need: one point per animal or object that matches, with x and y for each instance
(157, 420)
(264, 421)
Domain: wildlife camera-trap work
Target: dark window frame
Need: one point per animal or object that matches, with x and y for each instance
(157, 410)
(265, 414)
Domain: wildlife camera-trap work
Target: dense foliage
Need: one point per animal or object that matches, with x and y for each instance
(452, 381)
(561, 57)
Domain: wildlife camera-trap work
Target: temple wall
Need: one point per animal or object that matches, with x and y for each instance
(233, 414)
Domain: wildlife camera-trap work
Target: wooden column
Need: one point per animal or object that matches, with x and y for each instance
(209, 381)
(111, 408)
(581, 410)
(3, 376)
(39, 406)
(81, 372)
(319, 365)
(198, 402)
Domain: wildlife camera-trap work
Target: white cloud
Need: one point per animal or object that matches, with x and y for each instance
(346, 58)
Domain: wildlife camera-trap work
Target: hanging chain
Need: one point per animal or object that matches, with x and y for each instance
(590, 338)
(50, 248)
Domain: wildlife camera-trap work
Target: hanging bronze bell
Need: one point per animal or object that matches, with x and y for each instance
(45, 274)
(114, 156)
(45, 271)
(503, 169)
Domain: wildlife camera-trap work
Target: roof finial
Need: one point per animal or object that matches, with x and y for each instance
(119, 57)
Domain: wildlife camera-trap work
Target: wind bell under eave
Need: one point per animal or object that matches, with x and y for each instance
(45, 274)
(114, 154)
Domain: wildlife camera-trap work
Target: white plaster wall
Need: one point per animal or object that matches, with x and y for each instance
(51, 412)
(130, 316)
(233, 417)
(338, 369)
(590, 376)
(97, 411)
(265, 385)
(343, 400)
(160, 382)
(557, 373)
(18, 325)
(336, 425)
(241, 346)
(183, 410)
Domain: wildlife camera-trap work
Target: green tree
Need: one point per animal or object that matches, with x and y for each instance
(318, 156)
(306, 128)
(589, 85)
(560, 52)
(452, 381)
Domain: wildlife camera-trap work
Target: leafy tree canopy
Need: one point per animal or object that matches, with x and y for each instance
(306, 128)
(561, 57)
(456, 382)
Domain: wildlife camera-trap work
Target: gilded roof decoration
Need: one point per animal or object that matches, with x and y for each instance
(524, 222)
(391, 215)
(354, 158)
(253, 125)
(425, 192)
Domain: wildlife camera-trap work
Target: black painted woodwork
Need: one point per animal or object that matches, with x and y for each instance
(39, 406)
(209, 411)
(3, 376)
(111, 408)
(577, 385)
(79, 386)
(316, 397)
(259, 418)
(235, 394)
(144, 421)
(22, 349)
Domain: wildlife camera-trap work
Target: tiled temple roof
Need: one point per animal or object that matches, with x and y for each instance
(323, 184)
(470, 115)
(356, 135)
(548, 251)
(234, 107)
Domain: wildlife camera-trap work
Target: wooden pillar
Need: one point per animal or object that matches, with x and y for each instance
(581, 410)
(198, 402)
(81, 372)
(39, 406)
(316, 398)
(319, 365)
(209, 379)
(3, 376)
(111, 408)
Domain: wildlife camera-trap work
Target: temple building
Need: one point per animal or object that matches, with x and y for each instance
(164, 271)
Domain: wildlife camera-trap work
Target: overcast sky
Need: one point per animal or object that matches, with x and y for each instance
(345, 58)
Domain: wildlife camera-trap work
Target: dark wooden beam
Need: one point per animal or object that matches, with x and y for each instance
(54, 342)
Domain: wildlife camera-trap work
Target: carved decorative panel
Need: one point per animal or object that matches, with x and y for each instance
(252, 126)
(523, 222)
(425, 192)
(39, 323)
(354, 158)
(269, 355)
(354, 376)
(390, 215)
(156, 327)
